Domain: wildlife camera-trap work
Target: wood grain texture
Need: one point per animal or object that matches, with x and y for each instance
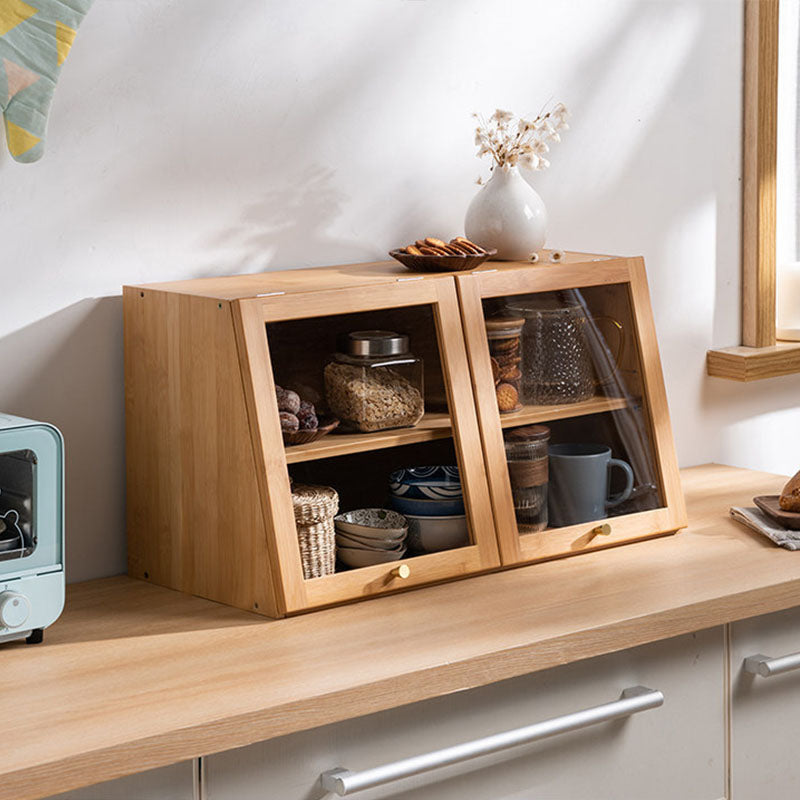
(134, 676)
(759, 172)
(754, 363)
(437, 425)
(194, 511)
(291, 281)
(433, 425)
(529, 415)
(656, 398)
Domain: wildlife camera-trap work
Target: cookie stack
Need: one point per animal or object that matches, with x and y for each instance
(504, 335)
(431, 246)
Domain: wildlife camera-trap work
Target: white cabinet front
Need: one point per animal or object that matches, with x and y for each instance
(176, 782)
(658, 753)
(765, 711)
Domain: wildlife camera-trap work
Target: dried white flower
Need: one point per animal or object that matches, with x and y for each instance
(533, 258)
(502, 116)
(521, 143)
(556, 256)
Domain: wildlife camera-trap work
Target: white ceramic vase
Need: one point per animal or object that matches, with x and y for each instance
(507, 213)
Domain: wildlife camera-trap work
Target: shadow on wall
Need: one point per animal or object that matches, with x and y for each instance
(67, 369)
(289, 224)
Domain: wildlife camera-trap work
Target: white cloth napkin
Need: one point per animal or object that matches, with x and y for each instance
(754, 518)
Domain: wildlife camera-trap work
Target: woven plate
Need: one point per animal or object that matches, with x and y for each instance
(440, 263)
(326, 425)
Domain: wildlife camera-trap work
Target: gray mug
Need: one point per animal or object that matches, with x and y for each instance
(580, 475)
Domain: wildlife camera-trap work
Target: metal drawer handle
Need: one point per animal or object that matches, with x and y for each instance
(342, 782)
(766, 667)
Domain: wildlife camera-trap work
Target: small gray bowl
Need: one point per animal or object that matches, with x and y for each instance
(372, 523)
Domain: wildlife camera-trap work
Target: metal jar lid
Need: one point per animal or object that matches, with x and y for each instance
(503, 327)
(374, 343)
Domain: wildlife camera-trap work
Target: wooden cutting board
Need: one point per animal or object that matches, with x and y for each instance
(768, 503)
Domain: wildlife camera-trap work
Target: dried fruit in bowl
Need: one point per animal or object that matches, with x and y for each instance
(289, 422)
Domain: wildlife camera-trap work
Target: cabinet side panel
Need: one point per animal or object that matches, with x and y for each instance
(195, 521)
(657, 395)
(152, 440)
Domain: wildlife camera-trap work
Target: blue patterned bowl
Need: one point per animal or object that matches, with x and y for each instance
(427, 507)
(426, 483)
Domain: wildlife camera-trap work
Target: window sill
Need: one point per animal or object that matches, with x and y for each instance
(754, 363)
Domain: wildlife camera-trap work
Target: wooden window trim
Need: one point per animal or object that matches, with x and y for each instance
(760, 355)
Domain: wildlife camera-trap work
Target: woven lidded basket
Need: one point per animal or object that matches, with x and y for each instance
(314, 510)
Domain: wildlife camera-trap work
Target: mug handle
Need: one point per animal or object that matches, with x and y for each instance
(626, 492)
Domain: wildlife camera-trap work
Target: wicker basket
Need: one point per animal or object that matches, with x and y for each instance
(314, 510)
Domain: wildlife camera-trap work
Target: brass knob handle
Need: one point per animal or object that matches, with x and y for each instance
(402, 572)
(601, 530)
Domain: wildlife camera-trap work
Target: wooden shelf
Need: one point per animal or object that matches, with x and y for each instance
(431, 426)
(437, 426)
(754, 363)
(528, 415)
(188, 676)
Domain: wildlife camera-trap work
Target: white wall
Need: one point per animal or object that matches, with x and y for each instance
(199, 137)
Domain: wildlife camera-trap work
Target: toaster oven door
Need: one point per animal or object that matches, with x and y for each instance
(31, 500)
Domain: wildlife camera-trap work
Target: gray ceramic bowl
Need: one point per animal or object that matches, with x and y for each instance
(372, 523)
(366, 558)
(359, 542)
(432, 534)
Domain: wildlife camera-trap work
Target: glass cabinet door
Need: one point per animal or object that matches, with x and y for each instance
(572, 406)
(365, 413)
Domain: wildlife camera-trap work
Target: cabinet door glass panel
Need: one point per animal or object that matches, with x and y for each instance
(391, 466)
(571, 401)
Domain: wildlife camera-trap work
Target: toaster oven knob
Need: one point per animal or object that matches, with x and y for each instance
(14, 609)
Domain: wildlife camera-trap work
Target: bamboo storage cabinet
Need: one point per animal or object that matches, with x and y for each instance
(208, 476)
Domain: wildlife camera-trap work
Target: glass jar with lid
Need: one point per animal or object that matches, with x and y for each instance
(374, 382)
(527, 459)
(504, 334)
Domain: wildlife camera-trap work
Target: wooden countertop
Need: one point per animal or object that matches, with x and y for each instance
(134, 677)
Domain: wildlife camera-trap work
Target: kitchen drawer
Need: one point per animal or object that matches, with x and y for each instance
(675, 751)
(175, 782)
(765, 712)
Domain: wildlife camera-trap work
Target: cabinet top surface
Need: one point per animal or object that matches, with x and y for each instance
(236, 287)
(134, 676)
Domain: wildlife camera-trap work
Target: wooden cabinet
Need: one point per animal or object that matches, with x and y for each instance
(209, 478)
(590, 372)
(673, 751)
(177, 782)
(765, 722)
(209, 498)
